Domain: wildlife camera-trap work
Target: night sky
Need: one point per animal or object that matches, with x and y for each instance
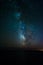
(21, 22)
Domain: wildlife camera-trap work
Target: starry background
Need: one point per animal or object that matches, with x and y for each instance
(12, 12)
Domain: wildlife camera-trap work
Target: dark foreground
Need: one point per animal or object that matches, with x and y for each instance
(19, 55)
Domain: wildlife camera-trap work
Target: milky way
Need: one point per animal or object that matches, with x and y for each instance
(21, 20)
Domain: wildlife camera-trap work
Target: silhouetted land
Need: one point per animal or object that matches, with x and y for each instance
(19, 54)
